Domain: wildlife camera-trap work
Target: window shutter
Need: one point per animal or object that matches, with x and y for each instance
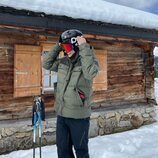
(46, 47)
(27, 70)
(100, 81)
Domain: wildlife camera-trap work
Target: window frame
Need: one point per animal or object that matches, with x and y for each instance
(50, 87)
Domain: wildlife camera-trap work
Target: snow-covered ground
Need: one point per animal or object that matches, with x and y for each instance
(137, 143)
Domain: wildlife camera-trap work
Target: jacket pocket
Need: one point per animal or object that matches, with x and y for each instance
(80, 96)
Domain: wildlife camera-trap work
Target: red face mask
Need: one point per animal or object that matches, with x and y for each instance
(67, 47)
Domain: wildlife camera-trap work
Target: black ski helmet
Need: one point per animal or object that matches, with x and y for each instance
(67, 36)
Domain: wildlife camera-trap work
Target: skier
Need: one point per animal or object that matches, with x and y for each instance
(76, 71)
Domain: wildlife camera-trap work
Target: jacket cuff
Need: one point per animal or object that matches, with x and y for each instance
(85, 49)
(57, 48)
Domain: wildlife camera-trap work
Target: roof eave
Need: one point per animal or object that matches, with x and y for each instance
(87, 26)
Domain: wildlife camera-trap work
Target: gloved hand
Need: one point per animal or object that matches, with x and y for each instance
(60, 40)
(80, 40)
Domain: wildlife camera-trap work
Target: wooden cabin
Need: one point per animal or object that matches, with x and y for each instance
(125, 54)
(123, 93)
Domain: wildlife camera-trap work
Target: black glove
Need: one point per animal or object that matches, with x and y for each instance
(60, 40)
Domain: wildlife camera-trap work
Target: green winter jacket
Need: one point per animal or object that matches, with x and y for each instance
(73, 78)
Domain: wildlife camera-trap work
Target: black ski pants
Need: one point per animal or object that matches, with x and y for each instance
(72, 133)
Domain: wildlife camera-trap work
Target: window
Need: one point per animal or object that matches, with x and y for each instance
(30, 78)
(49, 78)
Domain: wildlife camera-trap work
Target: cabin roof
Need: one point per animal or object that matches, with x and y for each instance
(25, 18)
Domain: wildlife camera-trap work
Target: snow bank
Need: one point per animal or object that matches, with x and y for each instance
(138, 143)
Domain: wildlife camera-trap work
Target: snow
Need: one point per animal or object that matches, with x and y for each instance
(156, 51)
(137, 143)
(97, 10)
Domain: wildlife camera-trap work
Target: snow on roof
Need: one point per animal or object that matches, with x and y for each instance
(97, 10)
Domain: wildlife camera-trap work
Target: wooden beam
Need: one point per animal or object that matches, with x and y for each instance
(118, 39)
(61, 23)
(44, 33)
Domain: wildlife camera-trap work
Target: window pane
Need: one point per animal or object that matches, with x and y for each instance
(45, 53)
(46, 72)
(50, 77)
(54, 78)
(46, 81)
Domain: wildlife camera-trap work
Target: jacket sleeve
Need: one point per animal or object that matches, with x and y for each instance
(51, 61)
(90, 65)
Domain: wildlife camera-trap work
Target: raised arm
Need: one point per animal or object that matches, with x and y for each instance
(51, 61)
(90, 65)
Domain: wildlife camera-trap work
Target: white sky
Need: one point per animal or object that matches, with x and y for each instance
(97, 10)
(137, 143)
(139, 4)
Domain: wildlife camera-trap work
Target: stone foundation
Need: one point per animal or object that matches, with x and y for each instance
(102, 123)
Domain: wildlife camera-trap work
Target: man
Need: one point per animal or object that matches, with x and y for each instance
(76, 71)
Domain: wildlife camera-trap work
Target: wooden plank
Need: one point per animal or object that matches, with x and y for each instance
(28, 47)
(47, 46)
(26, 91)
(118, 80)
(101, 77)
(27, 71)
(116, 61)
(99, 86)
(27, 52)
(125, 93)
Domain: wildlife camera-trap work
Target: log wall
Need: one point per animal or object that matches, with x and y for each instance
(10, 107)
(125, 74)
(130, 74)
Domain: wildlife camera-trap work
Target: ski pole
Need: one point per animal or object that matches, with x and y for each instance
(40, 133)
(38, 115)
(34, 134)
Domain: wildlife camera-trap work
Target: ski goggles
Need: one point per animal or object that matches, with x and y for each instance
(67, 47)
